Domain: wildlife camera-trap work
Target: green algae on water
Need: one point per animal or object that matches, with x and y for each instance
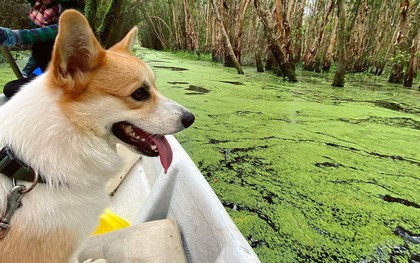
(304, 169)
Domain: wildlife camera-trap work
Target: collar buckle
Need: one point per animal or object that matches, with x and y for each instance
(7, 158)
(14, 168)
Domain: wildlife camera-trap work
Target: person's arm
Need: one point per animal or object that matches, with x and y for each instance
(7, 38)
(12, 38)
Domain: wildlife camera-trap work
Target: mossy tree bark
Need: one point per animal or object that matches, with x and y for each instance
(115, 18)
(341, 45)
(109, 18)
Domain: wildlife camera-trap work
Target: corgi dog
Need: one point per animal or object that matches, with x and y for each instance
(64, 127)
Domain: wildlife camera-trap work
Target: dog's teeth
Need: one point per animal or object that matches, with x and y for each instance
(137, 137)
(154, 147)
(143, 139)
(156, 151)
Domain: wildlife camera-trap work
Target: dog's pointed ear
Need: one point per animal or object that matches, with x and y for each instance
(76, 52)
(127, 42)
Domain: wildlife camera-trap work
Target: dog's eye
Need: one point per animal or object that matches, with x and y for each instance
(140, 94)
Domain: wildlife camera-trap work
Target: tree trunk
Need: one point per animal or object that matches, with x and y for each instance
(238, 38)
(381, 38)
(311, 25)
(109, 18)
(189, 28)
(226, 38)
(216, 40)
(258, 61)
(298, 40)
(326, 65)
(283, 28)
(177, 45)
(270, 62)
(230, 13)
(357, 47)
(159, 40)
(397, 72)
(414, 49)
(258, 50)
(341, 45)
(309, 58)
(286, 66)
(412, 64)
(209, 28)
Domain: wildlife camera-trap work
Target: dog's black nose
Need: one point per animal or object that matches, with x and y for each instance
(187, 119)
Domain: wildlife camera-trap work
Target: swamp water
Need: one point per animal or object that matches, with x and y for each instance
(308, 172)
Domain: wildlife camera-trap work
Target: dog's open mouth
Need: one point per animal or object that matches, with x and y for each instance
(145, 143)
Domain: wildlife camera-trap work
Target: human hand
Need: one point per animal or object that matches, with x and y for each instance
(7, 38)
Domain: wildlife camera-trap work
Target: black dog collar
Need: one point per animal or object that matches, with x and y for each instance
(15, 168)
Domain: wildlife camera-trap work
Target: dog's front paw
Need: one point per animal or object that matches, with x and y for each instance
(95, 261)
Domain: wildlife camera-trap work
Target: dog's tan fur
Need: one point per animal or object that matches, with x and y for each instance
(55, 246)
(60, 124)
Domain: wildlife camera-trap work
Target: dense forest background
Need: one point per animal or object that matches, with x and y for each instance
(372, 36)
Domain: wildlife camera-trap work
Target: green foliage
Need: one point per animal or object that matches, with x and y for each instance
(14, 14)
(95, 10)
(17, 55)
(400, 57)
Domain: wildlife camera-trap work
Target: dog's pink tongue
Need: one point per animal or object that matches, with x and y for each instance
(165, 151)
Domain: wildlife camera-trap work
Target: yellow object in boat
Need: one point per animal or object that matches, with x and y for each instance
(108, 221)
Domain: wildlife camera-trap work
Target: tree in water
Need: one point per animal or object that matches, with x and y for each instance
(341, 45)
(258, 49)
(397, 72)
(326, 64)
(414, 37)
(309, 57)
(285, 63)
(229, 48)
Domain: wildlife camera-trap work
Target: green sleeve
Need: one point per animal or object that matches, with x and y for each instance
(31, 36)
